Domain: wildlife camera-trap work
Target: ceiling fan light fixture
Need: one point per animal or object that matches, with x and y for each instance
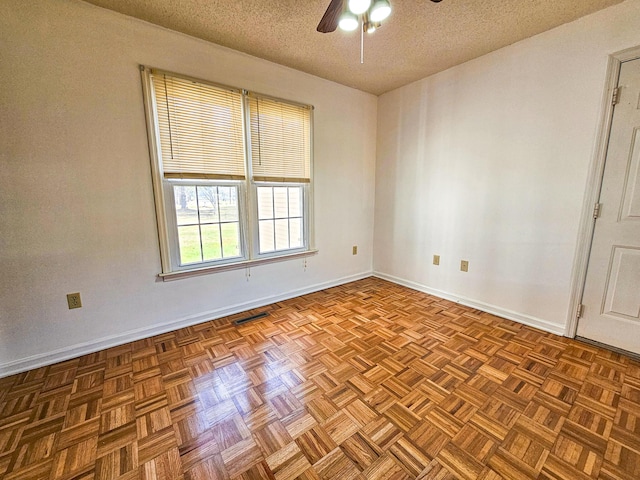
(348, 21)
(380, 10)
(359, 6)
(371, 27)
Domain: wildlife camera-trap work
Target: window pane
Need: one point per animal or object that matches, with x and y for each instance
(186, 208)
(189, 241)
(265, 228)
(280, 202)
(282, 234)
(208, 204)
(295, 201)
(228, 204)
(265, 202)
(211, 242)
(286, 230)
(230, 240)
(202, 236)
(295, 233)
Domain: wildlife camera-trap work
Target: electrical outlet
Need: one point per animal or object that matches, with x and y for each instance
(73, 300)
(354, 250)
(436, 259)
(464, 265)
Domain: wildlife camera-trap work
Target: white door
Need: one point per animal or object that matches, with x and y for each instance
(611, 300)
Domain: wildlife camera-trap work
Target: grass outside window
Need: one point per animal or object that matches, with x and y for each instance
(208, 223)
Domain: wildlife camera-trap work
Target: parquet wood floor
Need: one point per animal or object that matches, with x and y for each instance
(366, 380)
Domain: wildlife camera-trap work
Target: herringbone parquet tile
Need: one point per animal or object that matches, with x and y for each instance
(366, 380)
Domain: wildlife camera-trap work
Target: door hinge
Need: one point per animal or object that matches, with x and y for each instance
(579, 310)
(615, 99)
(596, 210)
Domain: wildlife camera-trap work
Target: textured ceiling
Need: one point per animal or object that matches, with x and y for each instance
(420, 37)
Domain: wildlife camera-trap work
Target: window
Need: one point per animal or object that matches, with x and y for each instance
(208, 222)
(231, 171)
(280, 219)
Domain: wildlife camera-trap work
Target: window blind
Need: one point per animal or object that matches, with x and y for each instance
(280, 140)
(200, 128)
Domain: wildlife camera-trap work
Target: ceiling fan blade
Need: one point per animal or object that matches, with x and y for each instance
(331, 17)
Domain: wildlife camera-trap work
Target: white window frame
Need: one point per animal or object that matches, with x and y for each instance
(247, 200)
(170, 209)
(305, 220)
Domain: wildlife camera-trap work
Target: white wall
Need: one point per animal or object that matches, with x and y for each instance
(488, 162)
(76, 201)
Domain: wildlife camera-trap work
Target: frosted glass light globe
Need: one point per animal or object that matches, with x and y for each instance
(380, 10)
(359, 6)
(348, 22)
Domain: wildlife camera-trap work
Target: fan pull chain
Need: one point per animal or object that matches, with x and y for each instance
(362, 40)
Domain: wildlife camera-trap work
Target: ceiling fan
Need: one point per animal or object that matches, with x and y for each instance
(372, 12)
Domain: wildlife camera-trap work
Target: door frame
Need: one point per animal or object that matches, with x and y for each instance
(594, 186)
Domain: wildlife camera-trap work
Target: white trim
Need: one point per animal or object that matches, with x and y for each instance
(153, 136)
(485, 307)
(73, 351)
(593, 186)
(205, 266)
(235, 265)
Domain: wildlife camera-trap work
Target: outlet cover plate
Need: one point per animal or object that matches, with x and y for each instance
(73, 300)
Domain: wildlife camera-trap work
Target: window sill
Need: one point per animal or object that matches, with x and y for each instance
(169, 276)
